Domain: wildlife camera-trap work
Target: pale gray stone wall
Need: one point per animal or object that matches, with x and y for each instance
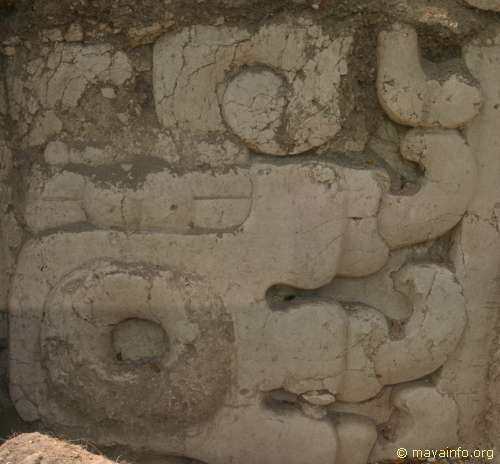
(253, 231)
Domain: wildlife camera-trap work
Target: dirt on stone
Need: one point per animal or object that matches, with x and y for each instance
(35, 448)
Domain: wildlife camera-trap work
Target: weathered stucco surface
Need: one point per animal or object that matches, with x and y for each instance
(253, 233)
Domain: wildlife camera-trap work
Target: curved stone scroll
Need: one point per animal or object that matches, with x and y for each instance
(278, 89)
(412, 98)
(447, 187)
(434, 329)
(430, 335)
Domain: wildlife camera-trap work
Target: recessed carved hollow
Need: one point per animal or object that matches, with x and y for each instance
(139, 340)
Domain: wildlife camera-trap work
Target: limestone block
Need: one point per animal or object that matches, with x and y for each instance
(424, 419)
(208, 77)
(412, 98)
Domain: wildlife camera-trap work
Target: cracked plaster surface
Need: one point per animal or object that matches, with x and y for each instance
(287, 101)
(399, 337)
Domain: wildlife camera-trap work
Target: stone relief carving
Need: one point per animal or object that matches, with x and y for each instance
(449, 99)
(141, 309)
(278, 90)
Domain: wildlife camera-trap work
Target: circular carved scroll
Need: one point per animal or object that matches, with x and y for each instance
(123, 341)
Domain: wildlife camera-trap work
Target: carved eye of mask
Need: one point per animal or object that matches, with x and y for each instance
(278, 90)
(114, 332)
